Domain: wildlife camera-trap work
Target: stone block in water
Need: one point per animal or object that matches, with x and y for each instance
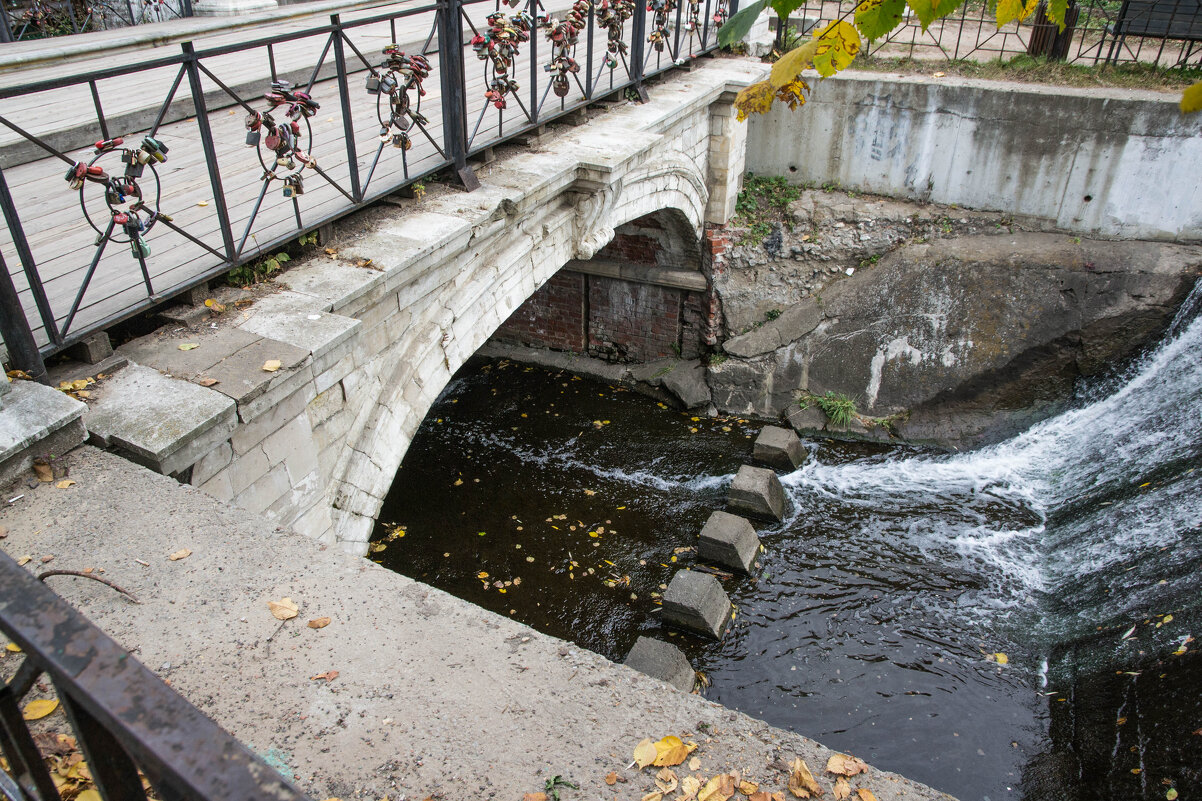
(662, 661)
(779, 448)
(756, 491)
(730, 541)
(696, 602)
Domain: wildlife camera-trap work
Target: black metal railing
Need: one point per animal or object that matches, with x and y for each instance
(1165, 33)
(127, 722)
(255, 143)
(44, 19)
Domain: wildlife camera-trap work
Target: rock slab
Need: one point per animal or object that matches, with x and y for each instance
(662, 661)
(687, 383)
(756, 491)
(730, 541)
(696, 602)
(779, 448)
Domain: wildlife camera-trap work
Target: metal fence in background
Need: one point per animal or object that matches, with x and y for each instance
(124, 185)
(1165, 33)
(41, 19)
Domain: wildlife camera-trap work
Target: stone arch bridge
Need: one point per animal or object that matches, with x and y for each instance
(366, 348)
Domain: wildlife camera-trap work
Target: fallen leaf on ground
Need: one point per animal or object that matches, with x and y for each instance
(36, 710)
(666, 780)
(208, 382)
(801, 781)
(719, 788)
(329, 676)
(24, 560)
(748, 788)
(44, 472)
(189, 346)
(611, 778)
(842, 788)
(3, 532)
(865, 794)
(203, 203)
(13, 647)
(47, 558)
(182, 553)
(271, 365)
(283, 609)
(645, 753)
(671, 751)
(656, 796)
(689, 786)
(319, 622)
(217, 308)
(695, 763)
(844, 765)
(534, 797)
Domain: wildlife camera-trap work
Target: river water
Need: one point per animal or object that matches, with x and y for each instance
(1014, 622)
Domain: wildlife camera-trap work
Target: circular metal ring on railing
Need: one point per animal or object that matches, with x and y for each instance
(391, 83)
(124, 198)
(282, 140)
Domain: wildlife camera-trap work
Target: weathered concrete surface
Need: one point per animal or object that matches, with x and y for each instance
(36, 420)
(433, 697)
(756, 491)
(966, 339)
(696, 602)
(779, 448)
(1098, 161)
(729, 540)
(687, 383)
(663, 661)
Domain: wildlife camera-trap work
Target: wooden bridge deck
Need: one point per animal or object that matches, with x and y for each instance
(62, 244)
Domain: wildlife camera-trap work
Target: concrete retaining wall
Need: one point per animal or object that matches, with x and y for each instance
(1106, 162)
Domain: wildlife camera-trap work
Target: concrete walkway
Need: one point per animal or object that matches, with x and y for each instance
(434, 696)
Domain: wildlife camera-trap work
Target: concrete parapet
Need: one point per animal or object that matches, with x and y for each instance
(36, 420)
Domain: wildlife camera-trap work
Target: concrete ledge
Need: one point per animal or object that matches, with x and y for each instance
(36, 420)
(662, 661)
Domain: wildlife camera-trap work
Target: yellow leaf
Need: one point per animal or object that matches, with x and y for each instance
(790, 66)
(865, 794)
(66, 482)
(645, 753)
(189, 346)
(44, 472)
(801, 781)
(1001, 658)
(689, 786)
(754, 99)
(838, 44)
(13, 648)
(842, 788)
(203, 203)
(271, 365)
(719, 788)
(534, 797)
(670, 751)
(748, 788)
(1191, 99)
(36, 710)
(319, 622)
(656, 796)
(1171, 794)
(182, 553)
(24, 560)
(283, 609)
(844, 765)
(1010, 10)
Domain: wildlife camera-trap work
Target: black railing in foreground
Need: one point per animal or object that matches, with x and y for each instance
(228, 168)
(124, 717)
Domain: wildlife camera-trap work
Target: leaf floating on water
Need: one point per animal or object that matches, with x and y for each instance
(283, 609)
(1001, 658)
(1127, 634)
(1171, 794)
(36, 710)
(801, 781)
(844, 765)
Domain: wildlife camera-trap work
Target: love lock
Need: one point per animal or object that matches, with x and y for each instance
(373, 84)
(133, 167)
(273, 140)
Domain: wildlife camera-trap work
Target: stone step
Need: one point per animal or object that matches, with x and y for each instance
(779, 448)
(696, 602)
(662, 661)
(756, 491)
(730, 541)
(36, 421)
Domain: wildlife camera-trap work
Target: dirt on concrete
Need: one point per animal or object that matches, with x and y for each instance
(434, 697)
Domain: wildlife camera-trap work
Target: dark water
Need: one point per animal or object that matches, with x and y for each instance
(886, 598)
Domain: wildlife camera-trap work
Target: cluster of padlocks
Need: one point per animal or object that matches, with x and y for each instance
(499, 46)
(127, 211)
(394, 79)
(283, 139)
(563, 35)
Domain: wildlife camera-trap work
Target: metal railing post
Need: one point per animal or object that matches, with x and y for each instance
(14, 327)
(638, 38)
(187, 8)
(454, 104)
(6, 26)
(210, 152)
(344, 97)
(27, 263)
